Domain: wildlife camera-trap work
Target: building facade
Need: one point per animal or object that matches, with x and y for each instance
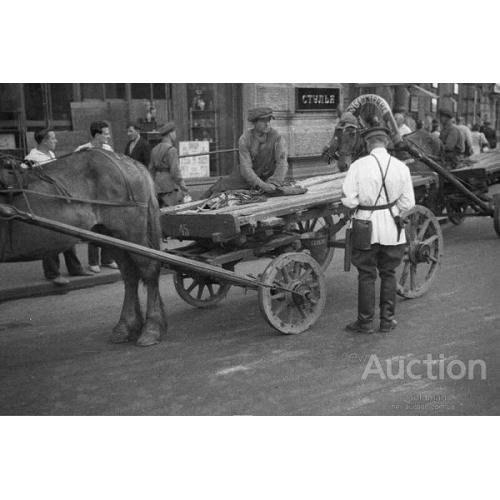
(216, 113)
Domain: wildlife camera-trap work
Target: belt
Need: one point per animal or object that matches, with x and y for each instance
(377, 207)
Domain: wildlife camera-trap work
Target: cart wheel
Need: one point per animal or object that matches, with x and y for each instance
(423, 252)
(317, 244)
(456, 212)
(496, 213)
(200, 291)
(285, 311)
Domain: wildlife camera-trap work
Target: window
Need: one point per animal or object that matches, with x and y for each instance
(455, 88)
(149, 91)
(434, 105)
(48, 104)
(61, 95)
(35, 101)
(435, 85)
(9, 101)
(141, 90)
(115, 90)
(92, 91)
(159, 91)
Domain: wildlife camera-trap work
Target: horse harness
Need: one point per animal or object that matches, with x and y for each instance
(13, 181)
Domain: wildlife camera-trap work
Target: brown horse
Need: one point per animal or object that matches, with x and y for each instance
(99, 191)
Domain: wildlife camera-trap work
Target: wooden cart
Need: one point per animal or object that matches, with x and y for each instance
(300, 234)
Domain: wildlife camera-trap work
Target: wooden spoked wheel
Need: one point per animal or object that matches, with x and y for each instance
(200, 291)
(318, 234)
(287, 312)
(496, 213)
(423, 253)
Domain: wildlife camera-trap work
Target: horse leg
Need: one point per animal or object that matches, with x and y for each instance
(156, 318)
(130, 323)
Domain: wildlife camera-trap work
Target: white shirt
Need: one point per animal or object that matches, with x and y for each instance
(89, 145)
(404, 130)
(39, 157)
(362, 185)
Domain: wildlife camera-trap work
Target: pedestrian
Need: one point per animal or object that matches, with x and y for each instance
(403, 129)
(165, 169)
(43, 153)
(262, 157)
(479, 142)
(379, 188)
(451, 138)
(490, 134)
(100, 138)
(467, 136)
(137, 147)
(435, 131)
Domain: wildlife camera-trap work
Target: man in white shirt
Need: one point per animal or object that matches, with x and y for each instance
(100, 138)
(45, 146)
(42, 154)
(402, 127)
(467, 135)
(364, 191)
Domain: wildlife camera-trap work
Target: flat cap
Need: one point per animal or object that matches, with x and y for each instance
(165, 129)
(375, 132)
(259, 114)
(446, 112)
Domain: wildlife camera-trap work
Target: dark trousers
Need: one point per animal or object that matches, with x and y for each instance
(385, 259)
(106, 255)
(51, 264)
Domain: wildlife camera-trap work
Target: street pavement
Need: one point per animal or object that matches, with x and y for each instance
(55, 358)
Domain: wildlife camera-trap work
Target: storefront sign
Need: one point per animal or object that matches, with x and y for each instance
(194, 166)
(317, 99)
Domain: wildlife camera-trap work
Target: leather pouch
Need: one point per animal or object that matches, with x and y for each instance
(361, 234)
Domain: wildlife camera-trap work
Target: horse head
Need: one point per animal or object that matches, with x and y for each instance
(346, 145)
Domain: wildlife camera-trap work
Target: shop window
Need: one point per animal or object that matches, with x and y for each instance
(115, 90)
(159, 91)
(92, 91)
(61, 95)
(9, 101)
(35, 101)
(140, 90)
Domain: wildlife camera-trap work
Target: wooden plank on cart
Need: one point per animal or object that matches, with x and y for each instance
(213, 226)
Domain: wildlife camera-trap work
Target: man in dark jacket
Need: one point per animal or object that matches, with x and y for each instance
(165, 169)
(451, 138)
(262, 154)
(137, 147)
(490, 134)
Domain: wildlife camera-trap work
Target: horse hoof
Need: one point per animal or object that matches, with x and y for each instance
(119, 338)
(147, 339)
(121, 334)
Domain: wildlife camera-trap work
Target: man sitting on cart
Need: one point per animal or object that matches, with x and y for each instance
(262, 157)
